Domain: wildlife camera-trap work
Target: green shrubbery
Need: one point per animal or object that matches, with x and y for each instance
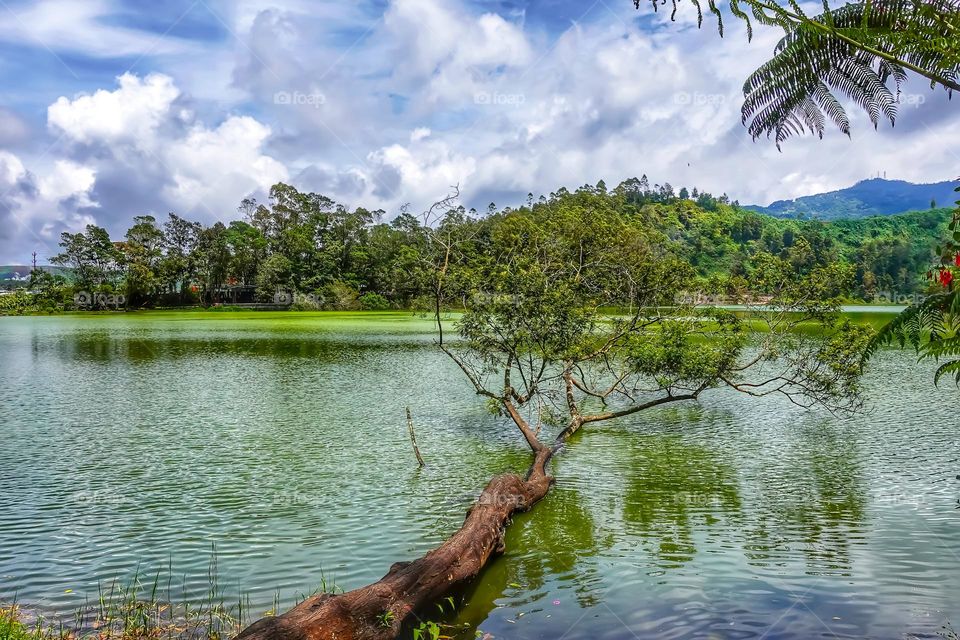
(374, 302)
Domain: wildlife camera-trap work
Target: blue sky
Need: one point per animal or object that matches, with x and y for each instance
(116, 108)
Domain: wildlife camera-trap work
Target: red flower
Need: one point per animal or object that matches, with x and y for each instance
(956, 259)
(946, 277)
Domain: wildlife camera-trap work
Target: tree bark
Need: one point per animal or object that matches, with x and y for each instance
(379, 610)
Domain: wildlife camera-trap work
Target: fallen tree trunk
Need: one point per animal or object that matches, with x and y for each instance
(379, 610)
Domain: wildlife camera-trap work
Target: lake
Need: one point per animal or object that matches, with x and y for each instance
(276, 446)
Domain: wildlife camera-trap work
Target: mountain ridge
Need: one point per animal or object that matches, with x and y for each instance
(10, 273)
(871, 197)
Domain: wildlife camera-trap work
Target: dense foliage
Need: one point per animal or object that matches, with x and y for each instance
(306, 251)
(932, 327)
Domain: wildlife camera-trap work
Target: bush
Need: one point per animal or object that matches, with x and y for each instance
(14, 304)
(374, 302)
(21, 303)
(308, 302)
(342, 296)
(423, 303)
(11, 628)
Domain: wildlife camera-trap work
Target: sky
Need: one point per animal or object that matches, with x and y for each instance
(117, 108)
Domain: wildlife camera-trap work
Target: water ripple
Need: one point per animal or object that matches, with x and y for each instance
(281, 443)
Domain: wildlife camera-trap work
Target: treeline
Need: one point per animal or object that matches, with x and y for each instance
(889, 254)
(306, 249)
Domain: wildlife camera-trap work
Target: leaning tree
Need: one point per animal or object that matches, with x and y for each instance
(544, 340)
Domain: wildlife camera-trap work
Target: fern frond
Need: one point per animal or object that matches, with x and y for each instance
(947, 368)
(861, 51)
(914, 326)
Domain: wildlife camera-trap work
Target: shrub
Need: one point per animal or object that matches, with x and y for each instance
(308, 302)
(11, 628)
(374, 302)
(343, 296)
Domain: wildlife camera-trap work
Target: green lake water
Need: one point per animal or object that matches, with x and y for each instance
(146, 439)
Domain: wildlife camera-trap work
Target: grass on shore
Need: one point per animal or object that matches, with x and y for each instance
(128, 613)
(143, 608)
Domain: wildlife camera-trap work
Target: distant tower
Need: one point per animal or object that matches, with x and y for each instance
(34, 260)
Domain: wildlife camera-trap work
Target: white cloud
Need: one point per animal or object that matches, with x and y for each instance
(453, 53)
(421, 168)
(11, 170)
(206, 170)
(608, 100)
(68, 180)
(35, 209)
(132, 113)
(213, 166)
(80, 26)
(419, 134)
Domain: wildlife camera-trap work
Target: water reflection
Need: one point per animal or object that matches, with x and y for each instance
(104, 348)
(673, 489)
(690, 527)
(810, 497)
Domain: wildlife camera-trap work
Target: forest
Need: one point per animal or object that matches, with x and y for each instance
(305, 251)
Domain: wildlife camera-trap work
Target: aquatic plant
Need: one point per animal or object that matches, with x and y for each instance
(146, 607)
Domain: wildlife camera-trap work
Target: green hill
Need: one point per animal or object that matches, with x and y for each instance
(866, 198)
(891, 253)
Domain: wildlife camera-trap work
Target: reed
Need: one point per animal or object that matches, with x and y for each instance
(148, 606)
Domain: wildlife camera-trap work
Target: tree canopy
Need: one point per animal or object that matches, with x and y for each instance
(314, 253)
(540, 333)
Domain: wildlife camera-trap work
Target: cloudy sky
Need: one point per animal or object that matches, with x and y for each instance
(116, 108)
